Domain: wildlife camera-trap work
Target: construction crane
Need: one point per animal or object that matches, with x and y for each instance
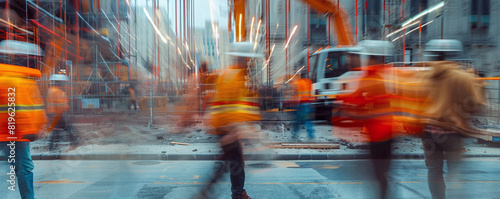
(340, 19)
(332, 9)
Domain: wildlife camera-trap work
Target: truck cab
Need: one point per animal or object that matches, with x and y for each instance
(331, 72)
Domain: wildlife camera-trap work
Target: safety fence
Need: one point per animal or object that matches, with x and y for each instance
(156, 99)
(165, 99)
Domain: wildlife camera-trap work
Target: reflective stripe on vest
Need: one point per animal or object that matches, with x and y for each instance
(235, 105)
(18, 108)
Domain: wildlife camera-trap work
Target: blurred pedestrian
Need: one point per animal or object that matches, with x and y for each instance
(371, 98)
(304, 110)
(200, 89)
(233, 109)
(131, 99)
(57, 106)
(454, 95)
(23, 117)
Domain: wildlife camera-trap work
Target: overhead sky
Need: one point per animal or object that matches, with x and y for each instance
(219, 10)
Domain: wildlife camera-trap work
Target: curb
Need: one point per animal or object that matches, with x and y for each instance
(214, 156)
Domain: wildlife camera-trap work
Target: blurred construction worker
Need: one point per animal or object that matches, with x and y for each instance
(23, 117)
(131, 99)
(234, 109)
(57, 106)
(200, 90)
(454, 94)
(304, 110)
(370, 96)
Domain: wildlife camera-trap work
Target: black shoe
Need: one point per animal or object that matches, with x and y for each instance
(243, 195)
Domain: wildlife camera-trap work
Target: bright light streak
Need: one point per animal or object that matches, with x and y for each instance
(154, 26)
(50, 31)
(158, 14)
(290, 38)
(112, 25)
(217, 40)
(109, 20)
(272, 50)
(251, 28)
(87, 23)
(45, 11)
(402, 28)
(212, 7)
(295, 74)
(257, 32)
(427, 11)
(413, 30)
(65, 50)
(241, 16)
(268, 60)
(275, 31)
(128, 2)
(179, 51)
(21, 29)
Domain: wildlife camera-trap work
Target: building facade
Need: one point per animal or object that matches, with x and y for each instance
(473, 22)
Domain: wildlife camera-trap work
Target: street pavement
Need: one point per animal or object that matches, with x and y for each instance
(275, 179)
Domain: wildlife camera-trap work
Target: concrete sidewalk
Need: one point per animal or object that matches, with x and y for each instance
(131, 139)
(255, 157)
(210, 151)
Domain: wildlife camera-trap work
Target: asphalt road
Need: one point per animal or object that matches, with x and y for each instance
(480, 178)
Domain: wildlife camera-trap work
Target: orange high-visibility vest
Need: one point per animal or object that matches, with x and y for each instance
(21, 105)
(132, 94)
(57, 102)
(304, 88)
(231, 102)
(374, 108)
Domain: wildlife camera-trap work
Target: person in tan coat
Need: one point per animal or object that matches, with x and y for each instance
(453, 95)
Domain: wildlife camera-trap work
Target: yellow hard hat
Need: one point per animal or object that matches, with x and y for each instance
(104, 31)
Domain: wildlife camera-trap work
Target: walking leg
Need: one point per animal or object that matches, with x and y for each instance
(381, 159)
(434, 162)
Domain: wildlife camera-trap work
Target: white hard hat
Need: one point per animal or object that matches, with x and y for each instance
(58, 77)
(20, 48)
(375, 48)
(243, 49)
(443, 45)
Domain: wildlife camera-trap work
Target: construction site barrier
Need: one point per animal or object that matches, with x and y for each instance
(158, 103)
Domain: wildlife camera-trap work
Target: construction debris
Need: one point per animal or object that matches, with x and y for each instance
(305, 145)
(179, 143)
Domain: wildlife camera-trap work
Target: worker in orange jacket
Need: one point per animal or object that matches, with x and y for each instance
(303, 106)
(233, 111)
(57, 106)
(132, 99)
(23, 116)
(375, 107)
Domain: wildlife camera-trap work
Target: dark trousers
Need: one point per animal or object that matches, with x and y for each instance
(381, 159)
(233, 161)
(132, 102)
(61, 127)
(437, 148)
